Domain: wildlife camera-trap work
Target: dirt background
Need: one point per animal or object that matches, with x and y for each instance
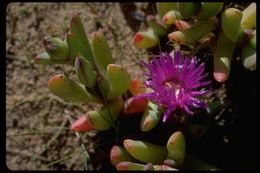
(36, 121)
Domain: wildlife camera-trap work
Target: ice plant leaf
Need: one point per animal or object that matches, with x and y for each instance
(43, 58)
(175, 83)
(222, 57)
(231, 24)
(85, 71)
(145, 151)
(252, 42)
(136, 87)
(106, 116)
(151, 117)
(119, 154)
(119, 79)
(81, 125)
(77, 40)
(195, 32)
(171, 17)
(164, 7)
(248, 57)
(145, 39)
(129, 166)
(176, 147)
(188, 9)
(164, 168)
(56, 48)
(182, 25)
(102, 53)
(135, 105)
(249, 17)
(70, 90)
(208, 10)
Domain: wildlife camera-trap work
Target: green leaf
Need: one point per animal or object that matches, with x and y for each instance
(145, 151)
(176, 147)
(222, 58)
(70, 90)
(231, 24)
(77, 40)
(85, 71)
(106, 116)
(145, 39)
(119, 154)
(119, 80)
(208, 10)
(102, 53)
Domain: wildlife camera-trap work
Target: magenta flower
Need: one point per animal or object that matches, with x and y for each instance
(175, 83)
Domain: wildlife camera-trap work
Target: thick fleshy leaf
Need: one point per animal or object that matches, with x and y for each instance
(231, 24)
(70, 90)
(248, 57)
(188, 9)
(145, 151)
(164, 168)
(119, 80)
(176, 147)
(164, 7)
(43, 58)
(151, 117)
(56, 48)
(102, 53)
(77, 40)
(208, 10)
(182, 25)
(81, 125)
(195, 32)
(145, 39)
(135, 105)
(85, 71)
(249, 17)
(106, 116)
(119, 154)
(136, 87)
(222, 58)
(252, 41)
(129, 166)
(171, 17)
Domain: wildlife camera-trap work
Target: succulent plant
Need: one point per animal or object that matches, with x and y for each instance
(176, 82)
(99, 79)
(142, 155)
(209, 24)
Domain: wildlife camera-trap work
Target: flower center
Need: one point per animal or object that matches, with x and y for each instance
(173, 86)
